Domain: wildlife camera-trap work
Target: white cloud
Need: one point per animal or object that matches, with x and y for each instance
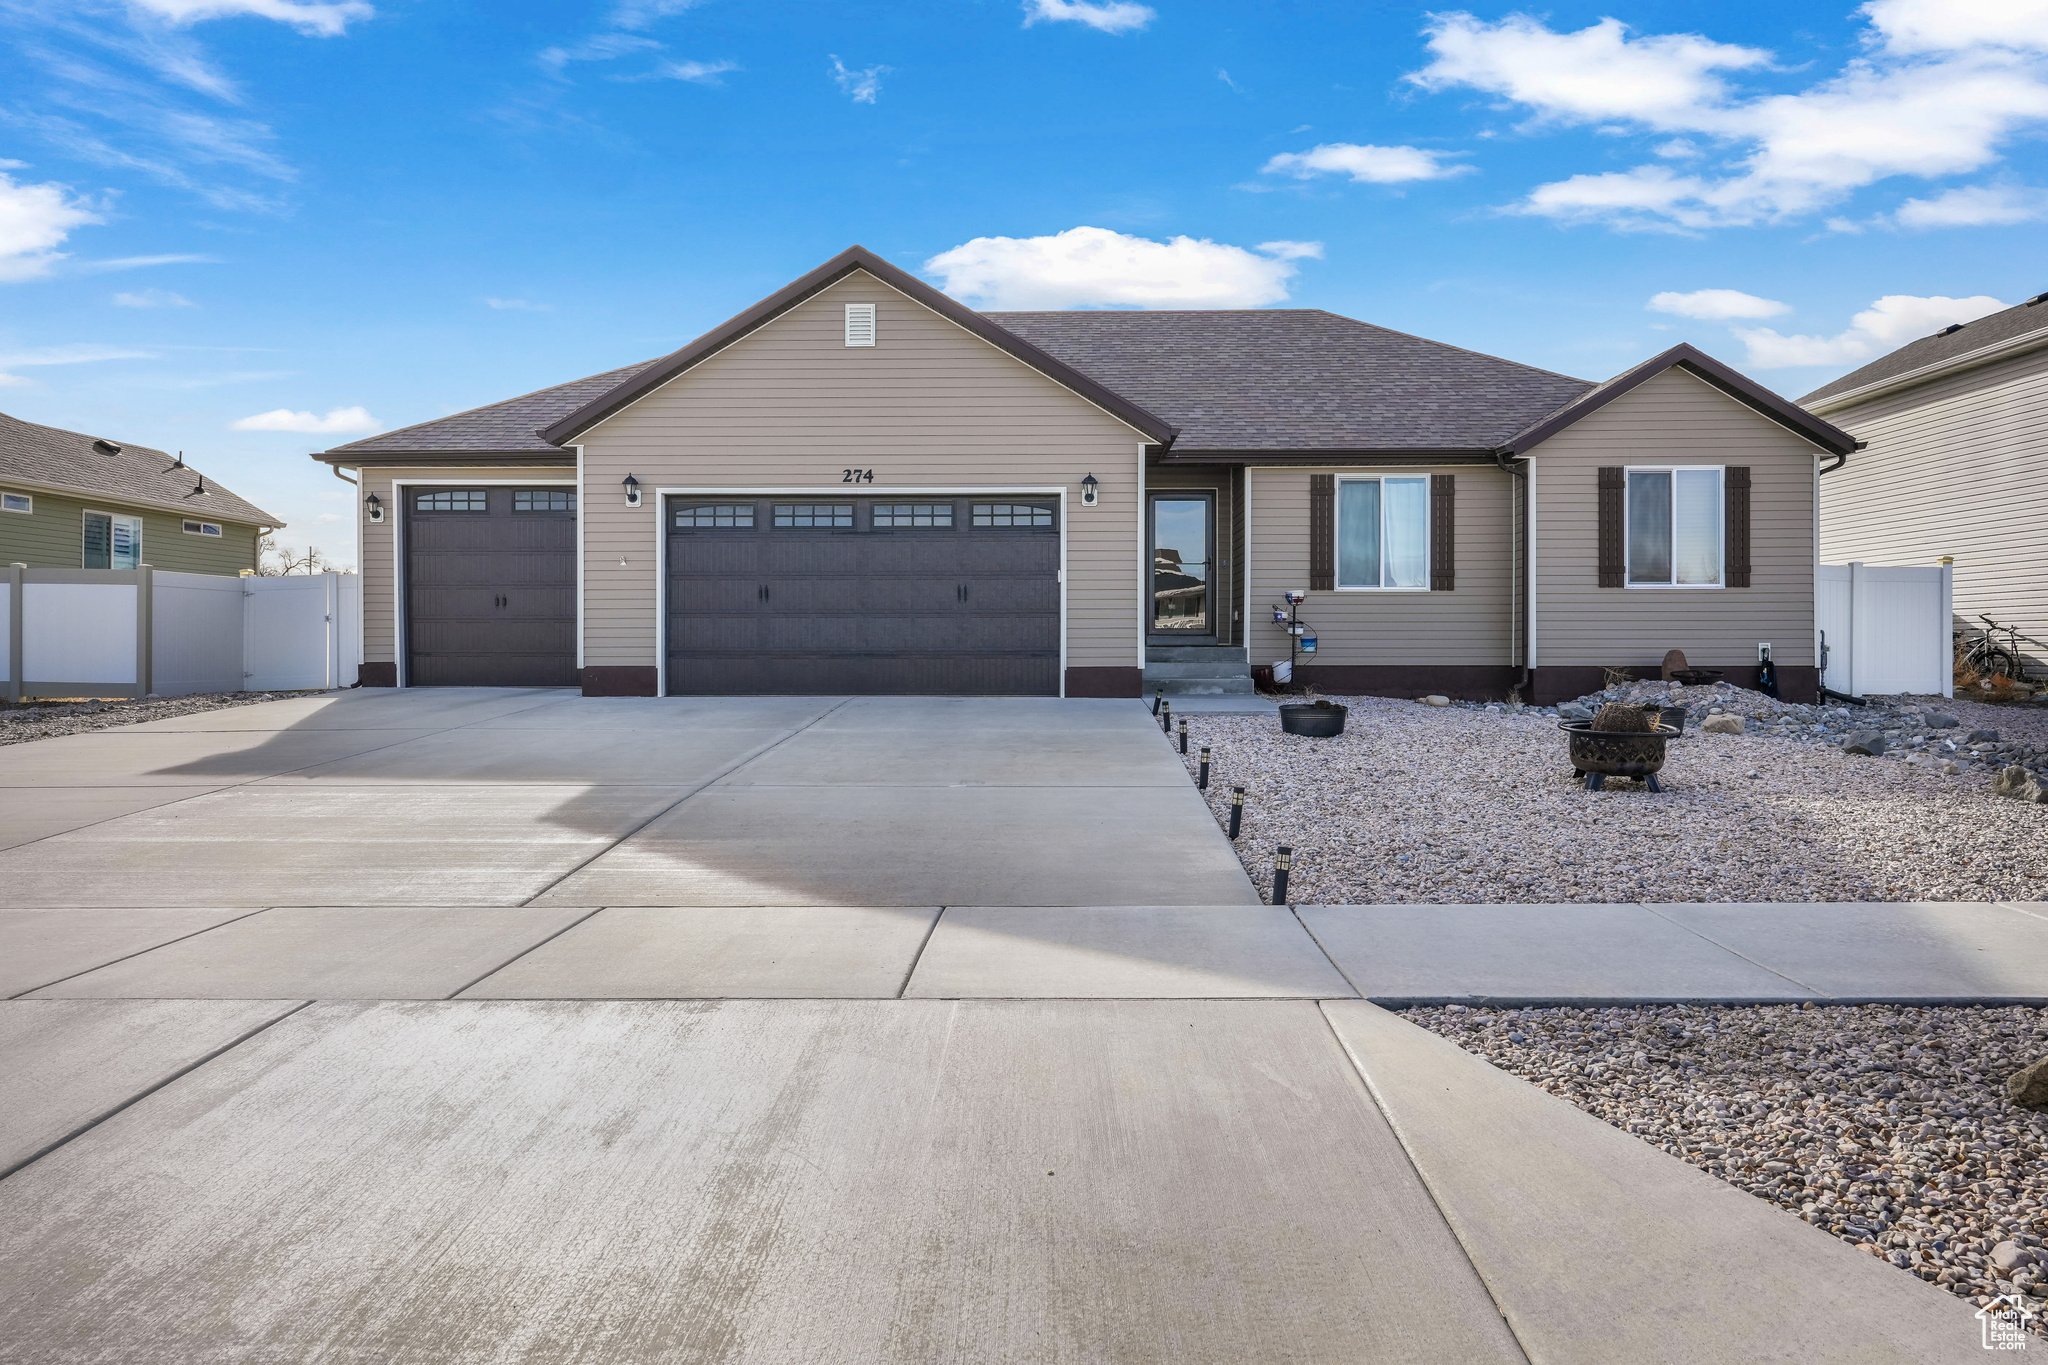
(602, 47)
(1885, 326)
(1896, 112)
(643, 13)
(34, 221)
(1591, 76)
(1954, 25)
(326, 20)
(1365, 164)
(520, 305)
(1716, 305)
(1093, 267)
(1974, 206)
(153, 298)
(142, 262)
(1118, 16)
(336, 421)
(77, 353)
(862, 85)
(701, 73)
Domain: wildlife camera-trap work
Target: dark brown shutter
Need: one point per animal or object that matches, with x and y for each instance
(1737, 488)
(1612, 483)
(1322, 532)
(1443, 532)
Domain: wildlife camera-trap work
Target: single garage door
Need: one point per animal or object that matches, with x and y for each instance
(866, 595)
(490, 587)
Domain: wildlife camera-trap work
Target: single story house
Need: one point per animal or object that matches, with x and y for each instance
(73, 501)
(860, 485)
(1956, 465)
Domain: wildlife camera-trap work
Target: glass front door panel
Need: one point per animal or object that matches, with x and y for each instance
(1180, 566)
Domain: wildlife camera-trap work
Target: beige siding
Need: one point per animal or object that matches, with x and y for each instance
(53, 536)
(1471, 625)
(1955, 467)
(376, 539)
(1220, 480)
(791, 406)
(1674, 419)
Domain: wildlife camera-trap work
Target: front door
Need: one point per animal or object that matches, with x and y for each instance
(1183, 552)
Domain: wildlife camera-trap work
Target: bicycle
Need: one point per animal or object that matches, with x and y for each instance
(1985, 656)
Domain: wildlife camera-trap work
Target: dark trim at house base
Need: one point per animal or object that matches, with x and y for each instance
(639, 680)
(377, 675)
(1105, 682)
(1460, 682)
(1561, 683)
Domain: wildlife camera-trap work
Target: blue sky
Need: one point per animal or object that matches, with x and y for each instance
(249, 229)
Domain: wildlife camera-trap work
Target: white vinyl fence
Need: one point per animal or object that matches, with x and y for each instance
(1887, 630)
(136, 633)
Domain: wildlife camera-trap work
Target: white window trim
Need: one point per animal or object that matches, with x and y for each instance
(1628, 569)
(1337, 515)
(140, 526)
(189, 523)
(27, 511)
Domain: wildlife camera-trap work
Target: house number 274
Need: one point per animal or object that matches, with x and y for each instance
(856, 476)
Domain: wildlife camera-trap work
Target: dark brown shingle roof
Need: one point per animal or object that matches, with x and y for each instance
(1298, 379)
(136, 475)
(509, 428)
(2014, 322)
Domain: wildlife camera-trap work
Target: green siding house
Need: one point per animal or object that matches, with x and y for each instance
(73, 501)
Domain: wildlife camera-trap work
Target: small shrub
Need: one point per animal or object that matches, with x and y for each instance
(1619, 716)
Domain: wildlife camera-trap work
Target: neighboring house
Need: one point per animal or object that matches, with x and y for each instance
(1956, 464)
(860, 485)
(72, 501)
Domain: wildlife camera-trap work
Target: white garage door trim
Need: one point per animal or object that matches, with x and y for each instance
(663, 493)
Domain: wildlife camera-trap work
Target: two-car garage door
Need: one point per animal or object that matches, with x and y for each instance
(901, 595)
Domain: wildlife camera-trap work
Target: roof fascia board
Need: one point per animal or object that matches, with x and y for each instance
(1701, 366)
(817, 281)
(450, 459)
(63, 490)
(1304, 458)
(1968, 360)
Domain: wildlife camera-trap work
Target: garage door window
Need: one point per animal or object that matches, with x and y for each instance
(715, 516)
(460, 500)
(1011, 514)
(913, 514)
(543, 500)
(817, 515)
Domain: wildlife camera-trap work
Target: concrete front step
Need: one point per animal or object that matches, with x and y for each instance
(1200, 687)
(1204, 668)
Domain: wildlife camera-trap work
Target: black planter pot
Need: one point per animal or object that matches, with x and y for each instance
(1317, 722)
(1600, 754)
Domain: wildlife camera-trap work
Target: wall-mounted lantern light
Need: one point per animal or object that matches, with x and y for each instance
(1088, 487)
(376, 506)
(632, 486)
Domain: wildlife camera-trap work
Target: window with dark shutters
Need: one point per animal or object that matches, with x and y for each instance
(1736, 485)
(1443, 532)
(1322, 532)
(1613, 484)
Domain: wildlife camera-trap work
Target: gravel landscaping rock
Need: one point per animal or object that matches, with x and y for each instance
(1884, 1125)
(42, 720)
(1468, 804)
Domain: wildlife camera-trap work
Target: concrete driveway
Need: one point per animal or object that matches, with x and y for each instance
(484, 797)
(497, 1026)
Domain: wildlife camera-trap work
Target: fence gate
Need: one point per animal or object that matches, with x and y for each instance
(1887, 630)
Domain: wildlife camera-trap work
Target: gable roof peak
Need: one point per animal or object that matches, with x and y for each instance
(800, 290)
(1685, 356)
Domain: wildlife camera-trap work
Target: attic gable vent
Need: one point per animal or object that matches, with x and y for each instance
(860, 324)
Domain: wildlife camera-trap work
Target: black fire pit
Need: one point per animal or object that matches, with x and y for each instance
(1317, 720)
(1600, 754)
